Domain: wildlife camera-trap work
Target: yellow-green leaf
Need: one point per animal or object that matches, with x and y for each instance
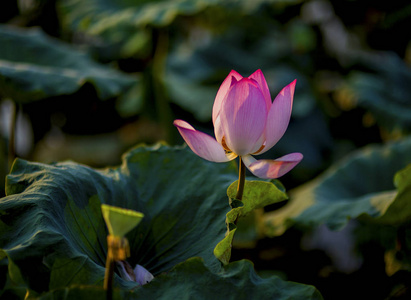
(119, 221)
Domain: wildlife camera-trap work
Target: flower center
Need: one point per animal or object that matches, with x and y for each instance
(225, 145)
(261, 148)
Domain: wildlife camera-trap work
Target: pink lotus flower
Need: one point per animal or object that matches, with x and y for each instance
(246, 123)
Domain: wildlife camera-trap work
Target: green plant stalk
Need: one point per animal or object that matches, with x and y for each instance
(108, 277)
(241, 180)
(162, 104)
(118, 249)
(12, 137)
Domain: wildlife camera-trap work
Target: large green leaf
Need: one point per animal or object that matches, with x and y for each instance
(193, 280)
(385, 91)
(360, 186)
(123, 24)
(53, 234)
(109, 15)
(34, 66)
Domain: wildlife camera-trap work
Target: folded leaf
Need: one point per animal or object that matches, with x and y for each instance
(119, 221)
(257, 194)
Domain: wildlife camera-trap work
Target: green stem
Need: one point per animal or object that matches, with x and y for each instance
(241, 180)
(12, 137)
(108, 276)
(163, 110)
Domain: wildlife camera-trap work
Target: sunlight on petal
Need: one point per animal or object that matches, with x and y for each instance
(259, 77)
(279, 116)
(218, 130)
(202, 144)
(232, 78)
(243, 116)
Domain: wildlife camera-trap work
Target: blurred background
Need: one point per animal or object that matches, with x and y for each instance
(87, 80)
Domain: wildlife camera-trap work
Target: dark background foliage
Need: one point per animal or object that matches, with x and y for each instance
(350, 58)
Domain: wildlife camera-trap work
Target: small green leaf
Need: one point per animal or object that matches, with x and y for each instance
(119, 221)
(223, 249)
(257, 194)
(397, 206)
(234, 203)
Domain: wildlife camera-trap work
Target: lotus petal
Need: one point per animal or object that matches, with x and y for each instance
(223, 90)
(279, 116)
(267, 168)
(259, 77)
(243, 116)
(202, 144)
